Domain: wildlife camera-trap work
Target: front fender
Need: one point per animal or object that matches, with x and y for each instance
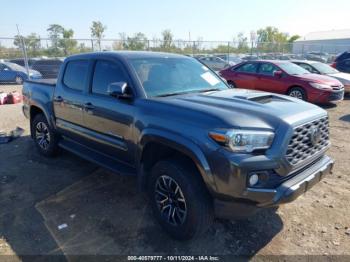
(181, 144)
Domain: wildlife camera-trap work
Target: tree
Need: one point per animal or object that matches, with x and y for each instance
(31, 42)
(293, 38)
(97, 30)
(242, 43)
(167, 42)
(55, 33)
(137, 42)
(68, 44)
(270, 39)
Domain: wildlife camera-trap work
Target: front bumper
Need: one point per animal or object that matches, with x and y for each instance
(256, 198)
(328, 96)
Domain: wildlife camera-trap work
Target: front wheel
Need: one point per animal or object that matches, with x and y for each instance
(231, 84)
(44, 137)
(297, 92)
(179, 200)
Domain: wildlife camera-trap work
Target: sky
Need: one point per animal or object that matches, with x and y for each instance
(218, 20)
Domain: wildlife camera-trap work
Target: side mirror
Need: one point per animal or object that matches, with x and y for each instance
(278, 74)
(119, 90)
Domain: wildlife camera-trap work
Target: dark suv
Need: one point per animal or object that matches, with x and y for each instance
(199, 148)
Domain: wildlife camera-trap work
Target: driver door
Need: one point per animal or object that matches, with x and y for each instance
(108, 119)
(267, 81)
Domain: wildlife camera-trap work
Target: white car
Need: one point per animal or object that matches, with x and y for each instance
(324, 69)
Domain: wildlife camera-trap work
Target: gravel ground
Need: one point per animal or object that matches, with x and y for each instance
(104, 213)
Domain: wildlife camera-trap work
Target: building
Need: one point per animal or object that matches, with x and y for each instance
(332, 42)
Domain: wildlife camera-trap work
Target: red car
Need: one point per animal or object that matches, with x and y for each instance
(284, 77)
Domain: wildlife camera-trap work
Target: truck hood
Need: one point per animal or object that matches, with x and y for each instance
(240, 108)
(322, 79)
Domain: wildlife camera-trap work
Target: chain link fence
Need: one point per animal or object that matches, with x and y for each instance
(22, 58)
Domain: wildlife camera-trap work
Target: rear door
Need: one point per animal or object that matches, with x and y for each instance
(108, 119)
(244, 76)
(267, 81)
(69, 97)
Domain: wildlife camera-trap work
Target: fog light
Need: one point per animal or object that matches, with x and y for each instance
(253, 179)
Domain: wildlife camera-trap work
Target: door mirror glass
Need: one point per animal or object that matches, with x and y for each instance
(119, 90)
(278, 74)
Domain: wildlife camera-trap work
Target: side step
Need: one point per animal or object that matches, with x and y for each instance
(96, 157)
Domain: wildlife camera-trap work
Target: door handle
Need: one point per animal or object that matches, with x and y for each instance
(59, 99)
(89, 106)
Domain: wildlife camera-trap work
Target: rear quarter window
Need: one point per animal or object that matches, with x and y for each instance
(75, 74)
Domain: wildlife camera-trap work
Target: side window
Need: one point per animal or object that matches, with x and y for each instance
(75, 74)
(308, 68)
(267, 69)
(106, 72)
(2, 67)
(247, 68)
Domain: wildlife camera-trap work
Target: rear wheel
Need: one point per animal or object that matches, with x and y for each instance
(297, 92)
(179, 201)
(19, 80)
(44, 137)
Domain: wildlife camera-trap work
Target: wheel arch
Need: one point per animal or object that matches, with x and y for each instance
(34, 111)
(297, 86)
(156, 145)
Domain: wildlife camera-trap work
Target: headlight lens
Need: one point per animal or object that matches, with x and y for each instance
(245, 141)
(320, 86)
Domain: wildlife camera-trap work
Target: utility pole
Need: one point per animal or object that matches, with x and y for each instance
(24, 51)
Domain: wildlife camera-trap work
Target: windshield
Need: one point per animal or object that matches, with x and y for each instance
(293, 69)
(324, 68)
(14, 66)
(162, 76)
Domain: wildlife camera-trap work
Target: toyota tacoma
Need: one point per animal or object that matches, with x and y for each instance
(200, 149)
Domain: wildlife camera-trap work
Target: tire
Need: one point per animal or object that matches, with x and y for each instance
(297, 92)
(231, 84)
(190, 211)
(45, 139)
(19, 80)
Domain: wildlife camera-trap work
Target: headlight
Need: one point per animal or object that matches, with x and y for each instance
(320, 86)
(245, 141)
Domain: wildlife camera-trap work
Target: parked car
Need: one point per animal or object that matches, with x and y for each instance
(284, 77)
(317, 56)
(49, 68)
(324, 69)
(342, 65)
(20, 61)
(343, 56)
(200, 149)
(13, 73)
(214, 62)
(250, 57)
(231, 59)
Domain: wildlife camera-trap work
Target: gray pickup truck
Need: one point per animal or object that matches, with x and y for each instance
(199, 148)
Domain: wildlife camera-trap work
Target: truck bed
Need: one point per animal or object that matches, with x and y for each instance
(51, 82)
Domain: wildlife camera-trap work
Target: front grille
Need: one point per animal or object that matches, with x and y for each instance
(302, 146)
(337, 87)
